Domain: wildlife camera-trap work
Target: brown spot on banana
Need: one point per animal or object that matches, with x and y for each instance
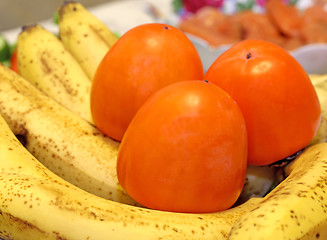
(86, 37)
(22, 224)
(100, 36)
(45, 66)
(44, 61)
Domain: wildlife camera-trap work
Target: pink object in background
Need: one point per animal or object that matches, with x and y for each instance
(194, 5)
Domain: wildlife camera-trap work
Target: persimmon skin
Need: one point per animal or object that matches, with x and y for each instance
(278, 101)
(145, 59)
(185, 150)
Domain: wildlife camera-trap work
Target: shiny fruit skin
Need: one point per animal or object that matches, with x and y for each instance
(278, 101)
(185, 150)
(145, 59)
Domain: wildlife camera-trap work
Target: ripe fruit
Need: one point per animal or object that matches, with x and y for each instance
(275, 94)
(185, 150)
(143, 60)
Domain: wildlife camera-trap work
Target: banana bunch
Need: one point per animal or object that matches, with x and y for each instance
(59, 138)
(37, 204)
(86, 37)
(43, 60)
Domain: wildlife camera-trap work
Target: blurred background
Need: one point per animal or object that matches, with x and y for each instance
(15, 13)
(122, 15)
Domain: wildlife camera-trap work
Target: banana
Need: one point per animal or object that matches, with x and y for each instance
(37, 204)
(317, 78)
(296, 208)
(320, 84)
(85, 36)
(60, 139)
(44, 61)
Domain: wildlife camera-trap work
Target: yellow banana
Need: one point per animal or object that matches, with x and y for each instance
(296, 208)
(320, 84)
(37, 204)
(85, 36)
(43, 60)
(60, 139)
(317, 78)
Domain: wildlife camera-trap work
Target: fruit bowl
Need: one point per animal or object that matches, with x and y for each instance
(298, 26)
(312, 57)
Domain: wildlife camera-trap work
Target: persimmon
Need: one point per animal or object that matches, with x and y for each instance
(145, 59)
(185, 150)
(279, 103)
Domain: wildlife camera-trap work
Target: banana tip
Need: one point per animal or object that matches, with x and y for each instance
(64, 6)
(27, 27)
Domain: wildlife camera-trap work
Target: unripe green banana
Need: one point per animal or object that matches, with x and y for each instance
(43, 60)
(60, 139)
(296, 208)
(86, 37)
(37, 204)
